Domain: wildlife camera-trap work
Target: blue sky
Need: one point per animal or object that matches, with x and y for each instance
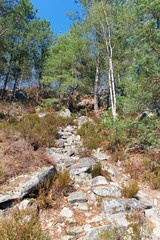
(54, 11)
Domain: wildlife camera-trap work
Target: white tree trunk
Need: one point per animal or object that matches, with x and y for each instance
(96, 83)
(107, 36)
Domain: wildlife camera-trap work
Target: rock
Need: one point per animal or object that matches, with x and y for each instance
(107, 191)
(83, 206)
(111, 169)
(66, 113)
(145, 114)
(24, 204)
(79, 197)
(99, 180)
(111, 206)
(95, 219)
(67, 238)
(61, 158)
(100, 156)
(84, 119)
(83, 178)
(87, 227)
(95, 233)
(66, 212)
(74, 230)
(42, 114)
(28, 184)
(82, 166)
(135, 147)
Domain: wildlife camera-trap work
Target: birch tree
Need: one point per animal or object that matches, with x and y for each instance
(99, 12)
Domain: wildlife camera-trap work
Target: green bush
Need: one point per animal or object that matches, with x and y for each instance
(92, 135)
(130, 131)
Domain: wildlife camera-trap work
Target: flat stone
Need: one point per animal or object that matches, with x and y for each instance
(79, 197)
(99, 180)
(66, 212)
(83, 178)
(111, 206)
(83, 206)
(100, 156)
(107, 191)
(82, 166)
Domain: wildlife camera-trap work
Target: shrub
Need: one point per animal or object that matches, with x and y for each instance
(38, 131)
(53, 189)
(129, 131)
(21, 225)
(92, 135)
(130, 189)
(63, 180)
(98, 171)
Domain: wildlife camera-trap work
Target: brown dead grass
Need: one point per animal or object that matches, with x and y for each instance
(19, 157)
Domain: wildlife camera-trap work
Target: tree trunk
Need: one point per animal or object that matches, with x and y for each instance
(107, 30)
(96, 83)
(6, 79)
(16, 81)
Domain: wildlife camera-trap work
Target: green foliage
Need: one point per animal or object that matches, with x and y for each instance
(92, 135)
(98, 171)
(22, 225)
(130, 189)
(131, 131)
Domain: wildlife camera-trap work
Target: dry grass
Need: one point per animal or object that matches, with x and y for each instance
(18, 157)
(21, 225)
(54, 189)
(144, 167)
(129, 189)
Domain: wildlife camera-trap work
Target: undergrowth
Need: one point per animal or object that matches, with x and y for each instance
(38, 131)
(92, 135)
(53, 189)
(98, 171)
(21, 225)
(129, 189)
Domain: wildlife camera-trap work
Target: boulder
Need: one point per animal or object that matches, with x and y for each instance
(77, 197)
(82, 166)
(66, 113)
(24, 185)
(107, 191)
(112, 206)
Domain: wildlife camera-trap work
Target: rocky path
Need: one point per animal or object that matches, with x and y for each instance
(95, 204)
